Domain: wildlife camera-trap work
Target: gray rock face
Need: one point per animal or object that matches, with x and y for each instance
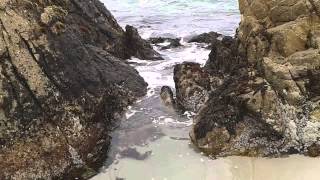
(62, 86)
(266, 101)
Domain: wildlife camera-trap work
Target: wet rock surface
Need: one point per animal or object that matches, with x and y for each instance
(208, 38)
(166, 95)
(63, 85)
(132, 44)
(262, 86)
(192, 86)
(173, 42)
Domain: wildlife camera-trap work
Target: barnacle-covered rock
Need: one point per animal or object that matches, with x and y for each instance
(267, 101)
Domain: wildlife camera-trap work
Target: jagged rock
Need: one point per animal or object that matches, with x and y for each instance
(173, 43)
(268, 100)
(133, 45)
(223, 57)
(192, 86)
(62, 86)
(205, 38)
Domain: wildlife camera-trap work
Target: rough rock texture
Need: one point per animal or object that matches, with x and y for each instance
(268, 100)
(131, 44)
(205, 37)
(160, 41)
(192, 86)
(60, 88)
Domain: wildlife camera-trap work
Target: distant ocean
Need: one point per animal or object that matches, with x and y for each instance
(177, 17)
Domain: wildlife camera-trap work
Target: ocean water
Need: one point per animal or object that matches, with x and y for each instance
(152, 141)
(176, 17)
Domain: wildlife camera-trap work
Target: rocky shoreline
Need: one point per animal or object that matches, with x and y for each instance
(64, 83)
(263, 95)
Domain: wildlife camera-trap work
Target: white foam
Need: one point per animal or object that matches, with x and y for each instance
(130, 113)
(171, 122)
(160, 73)
(189, 114)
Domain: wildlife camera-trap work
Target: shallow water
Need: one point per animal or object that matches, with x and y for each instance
(152, 142)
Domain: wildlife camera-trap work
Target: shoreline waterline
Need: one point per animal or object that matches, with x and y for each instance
(152, 140)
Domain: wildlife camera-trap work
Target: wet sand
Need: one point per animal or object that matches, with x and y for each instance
(295, 167)
(172, 160)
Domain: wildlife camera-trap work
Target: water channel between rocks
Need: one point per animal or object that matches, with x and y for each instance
(152, 142)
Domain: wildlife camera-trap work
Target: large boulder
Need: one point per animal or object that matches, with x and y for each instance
(267, 101)
(62, 86)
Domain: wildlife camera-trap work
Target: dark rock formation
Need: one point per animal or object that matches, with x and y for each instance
(208, 38)
(223, 58)
(61, 86)
(131, 44)
(173, 43)
(268, 100)
(193, 83)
